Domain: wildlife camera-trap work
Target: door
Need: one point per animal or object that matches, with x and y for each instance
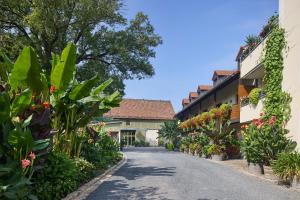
(128, 137)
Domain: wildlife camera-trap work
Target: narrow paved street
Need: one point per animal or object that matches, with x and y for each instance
(153, 173)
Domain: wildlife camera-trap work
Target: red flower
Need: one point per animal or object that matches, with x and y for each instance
(25, 163)
(46, 105)
(32, 155)
(272, 120)
(52, 89)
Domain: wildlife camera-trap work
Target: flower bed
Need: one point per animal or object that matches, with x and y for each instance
(46, 148)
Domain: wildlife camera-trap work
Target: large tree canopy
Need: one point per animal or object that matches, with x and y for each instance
(107, 43)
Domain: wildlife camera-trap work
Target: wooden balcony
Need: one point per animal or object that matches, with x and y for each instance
(235, 112)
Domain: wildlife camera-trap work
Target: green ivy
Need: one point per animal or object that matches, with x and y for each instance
(254, 96)
(276, 101)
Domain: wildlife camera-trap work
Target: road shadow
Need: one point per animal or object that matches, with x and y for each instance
(119, 186)
(131, 171)
(145, 149)
(121, 190)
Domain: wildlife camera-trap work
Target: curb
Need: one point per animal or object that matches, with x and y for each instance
(85, 190)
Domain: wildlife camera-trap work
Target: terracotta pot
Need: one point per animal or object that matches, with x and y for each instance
(295, 184)
(257, 169)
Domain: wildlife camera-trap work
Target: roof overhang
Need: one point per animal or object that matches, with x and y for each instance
(217, 87)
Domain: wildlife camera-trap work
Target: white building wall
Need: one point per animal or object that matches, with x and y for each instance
(289, 19)
(151, 137)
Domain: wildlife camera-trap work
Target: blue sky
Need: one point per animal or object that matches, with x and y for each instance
(199, 36)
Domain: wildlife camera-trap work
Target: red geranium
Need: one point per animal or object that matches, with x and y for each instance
(46, 105)
(52, 89)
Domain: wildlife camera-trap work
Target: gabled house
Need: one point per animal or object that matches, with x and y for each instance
(138, 120)
(185, 102)
(202, 89)
(193, 96)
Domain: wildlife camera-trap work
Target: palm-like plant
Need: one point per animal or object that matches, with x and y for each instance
(170, 131)
(251, 41)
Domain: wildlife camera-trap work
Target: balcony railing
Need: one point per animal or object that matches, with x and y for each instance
(246, 101)
(262, 36)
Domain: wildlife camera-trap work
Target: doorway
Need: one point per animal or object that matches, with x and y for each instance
(128, 137)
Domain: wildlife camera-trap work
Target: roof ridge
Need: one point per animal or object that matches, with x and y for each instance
(147, 99)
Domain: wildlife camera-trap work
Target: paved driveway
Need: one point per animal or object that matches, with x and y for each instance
(153, 173)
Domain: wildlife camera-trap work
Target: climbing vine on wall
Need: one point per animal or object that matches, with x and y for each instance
(276, 101)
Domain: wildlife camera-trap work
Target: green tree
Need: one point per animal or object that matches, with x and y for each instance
(170, 131)
(107, 43)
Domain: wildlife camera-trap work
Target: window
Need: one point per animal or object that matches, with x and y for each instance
(127, 123)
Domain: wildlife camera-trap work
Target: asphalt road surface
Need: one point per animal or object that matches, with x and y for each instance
(155, 174)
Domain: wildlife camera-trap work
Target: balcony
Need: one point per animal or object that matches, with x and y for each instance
(248, 112)
(250, 56)
(252, 62)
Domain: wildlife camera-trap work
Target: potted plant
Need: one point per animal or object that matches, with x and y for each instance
(216, 152)
(287, 168)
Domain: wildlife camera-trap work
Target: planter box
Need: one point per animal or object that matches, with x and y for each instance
(217, 157)
(256, 169)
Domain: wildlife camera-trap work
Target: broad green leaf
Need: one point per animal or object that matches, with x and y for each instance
(5, 66)
(40, 145)
(5, 106)
(62, 73)
(21, 102)
(83, 89)
(101, 87)
(45, 88)
(27, 121)
(18, 139)
(26, 71)
(14, 139)
(55, 59)
(89, 99)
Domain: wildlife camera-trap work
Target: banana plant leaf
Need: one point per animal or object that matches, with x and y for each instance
(5, 106)
(63, 72)
(26, 71)
(83, 89)
(21, 102)
(5, 67)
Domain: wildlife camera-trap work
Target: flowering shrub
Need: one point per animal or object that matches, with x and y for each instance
(204, 119)
(264, 139)
(215, 125)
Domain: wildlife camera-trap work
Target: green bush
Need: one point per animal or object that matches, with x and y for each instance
(287, 167)
(205, 151)
(215, 149)
(103, 153)
(170, 146)
(59, 177)
(141, 143)
(160, 142)
(254, 96)
(86, 169)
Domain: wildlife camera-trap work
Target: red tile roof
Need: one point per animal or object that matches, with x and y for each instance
(204, 87)
(193, 95)
(142, 109)
(224, 72)
(185, 101)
